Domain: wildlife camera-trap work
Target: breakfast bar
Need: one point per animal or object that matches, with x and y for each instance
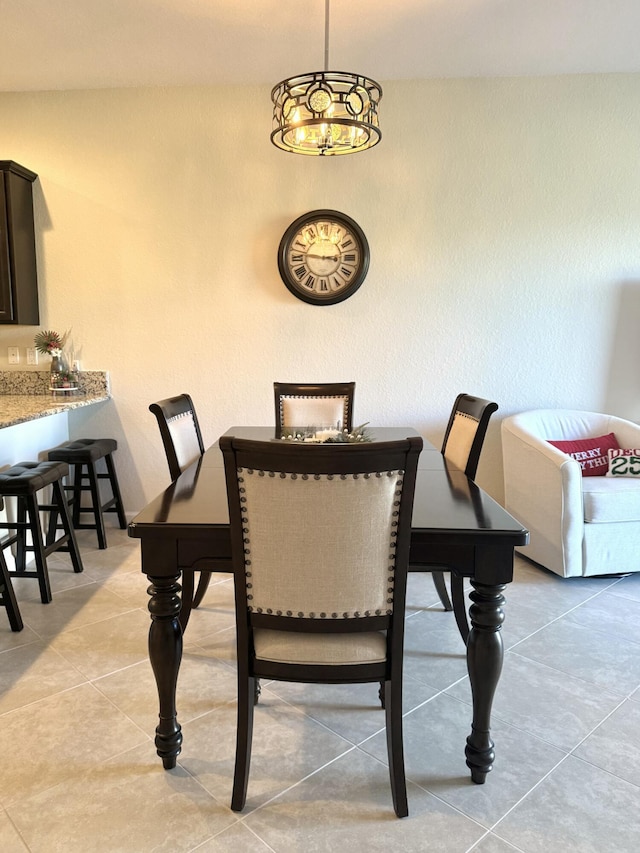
(33, 420)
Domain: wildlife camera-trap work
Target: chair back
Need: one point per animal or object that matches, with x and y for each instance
(465, 432)
(564, 424)
(320, 534)
(324, 404)
(180, 432)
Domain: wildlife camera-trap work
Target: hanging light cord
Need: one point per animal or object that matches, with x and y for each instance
(326, 34)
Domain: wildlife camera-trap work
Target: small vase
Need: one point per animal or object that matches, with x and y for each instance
(59, 370)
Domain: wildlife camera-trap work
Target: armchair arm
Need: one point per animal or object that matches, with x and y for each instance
(627, 432)
(543, 490)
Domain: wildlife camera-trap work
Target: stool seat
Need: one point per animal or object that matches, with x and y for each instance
(83, 450)
(84, 454)
(27, 478)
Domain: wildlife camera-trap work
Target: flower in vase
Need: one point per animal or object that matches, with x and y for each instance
(50, 343)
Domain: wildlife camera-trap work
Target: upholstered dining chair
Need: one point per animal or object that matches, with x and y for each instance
(304, 404)
(320, 544)
(462, 445)
(182, 441)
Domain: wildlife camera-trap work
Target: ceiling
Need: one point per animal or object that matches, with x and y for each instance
(86, 44)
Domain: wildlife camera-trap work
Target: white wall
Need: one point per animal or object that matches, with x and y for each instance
(503, 218)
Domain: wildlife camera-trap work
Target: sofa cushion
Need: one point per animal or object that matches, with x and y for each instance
(611, 499)
(591, 453)
(624, 463)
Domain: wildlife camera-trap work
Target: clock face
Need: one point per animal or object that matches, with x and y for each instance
(323, 257)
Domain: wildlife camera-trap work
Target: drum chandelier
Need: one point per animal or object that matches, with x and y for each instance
(326, 112)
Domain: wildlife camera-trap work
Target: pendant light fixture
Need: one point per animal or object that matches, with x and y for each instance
(326, 112)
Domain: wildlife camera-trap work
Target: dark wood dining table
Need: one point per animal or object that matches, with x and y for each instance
(455, 525)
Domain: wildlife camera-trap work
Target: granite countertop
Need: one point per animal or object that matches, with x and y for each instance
(26, 395)
(20, 408)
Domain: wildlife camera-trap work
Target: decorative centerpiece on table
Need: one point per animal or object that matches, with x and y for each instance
(51, 343)
(327, 435)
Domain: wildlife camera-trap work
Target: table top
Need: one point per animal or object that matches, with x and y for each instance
(447, 504)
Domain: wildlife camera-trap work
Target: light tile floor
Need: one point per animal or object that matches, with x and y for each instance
(78, 710)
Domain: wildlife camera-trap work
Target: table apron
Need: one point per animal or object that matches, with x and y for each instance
(488, 563)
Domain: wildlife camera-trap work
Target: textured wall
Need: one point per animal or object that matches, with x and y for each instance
(503, 218)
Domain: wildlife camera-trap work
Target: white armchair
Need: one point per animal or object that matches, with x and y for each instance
(579, 526)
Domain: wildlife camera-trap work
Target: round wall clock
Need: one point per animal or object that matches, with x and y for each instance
(323, 257)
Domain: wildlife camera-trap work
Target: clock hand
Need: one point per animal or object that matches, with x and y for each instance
(324, 257)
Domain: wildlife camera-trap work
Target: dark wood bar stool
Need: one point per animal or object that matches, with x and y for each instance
(7, 595)
(23, 482)
(84, 454)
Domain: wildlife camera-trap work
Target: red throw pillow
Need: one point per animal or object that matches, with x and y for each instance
(591, 453)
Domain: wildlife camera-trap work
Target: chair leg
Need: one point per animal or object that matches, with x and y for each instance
(21, 535)
(246, 692)
(441, 589)
(60, 500)
(115, 489)
(460, 606)
(76, 493)
(395, 748)
(8, 597)
(203, 586)
(97, 506)
(52, 525)
(186, 598)
(33, 513)
(189, 600)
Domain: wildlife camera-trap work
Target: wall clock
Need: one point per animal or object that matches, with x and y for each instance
(323, 257)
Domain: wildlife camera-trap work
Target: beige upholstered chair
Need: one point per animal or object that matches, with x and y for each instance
(320, 544)
(182, 441)
(324, 404)
(579, 526)
(462, 445)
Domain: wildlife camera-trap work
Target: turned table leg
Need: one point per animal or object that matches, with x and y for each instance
(165, 653)
(484, 662)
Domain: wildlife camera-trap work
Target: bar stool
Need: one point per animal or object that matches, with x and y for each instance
(23, 482)
(7, 595)
(83, 454)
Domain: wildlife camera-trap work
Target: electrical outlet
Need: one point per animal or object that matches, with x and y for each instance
(14, 355)
(32, 355)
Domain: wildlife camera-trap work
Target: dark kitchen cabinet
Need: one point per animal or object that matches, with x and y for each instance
(18, 272)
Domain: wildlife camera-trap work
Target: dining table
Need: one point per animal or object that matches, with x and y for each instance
(456, 526)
